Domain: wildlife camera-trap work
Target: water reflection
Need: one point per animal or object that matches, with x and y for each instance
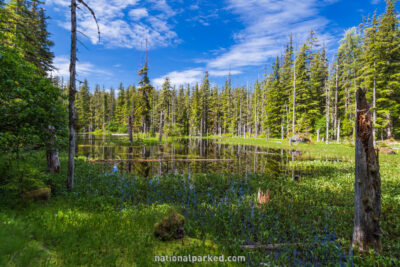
(185, 156)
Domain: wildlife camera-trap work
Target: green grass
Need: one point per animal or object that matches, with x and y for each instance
(64, 233)
(108, 219)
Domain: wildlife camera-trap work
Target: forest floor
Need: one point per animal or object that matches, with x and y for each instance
(108, 220)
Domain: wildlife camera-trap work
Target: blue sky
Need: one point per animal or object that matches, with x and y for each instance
(186, 38)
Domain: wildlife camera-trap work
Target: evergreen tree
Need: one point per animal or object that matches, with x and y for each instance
(121, 107)
(274, 98)
(369, 66)
(349, 57)
(83, 107)
(205, 106)
(196, 111)
(388, 70)
(146, 93)
(227, 106)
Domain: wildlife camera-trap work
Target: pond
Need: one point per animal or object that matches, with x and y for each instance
(223, 207)
(186, 156)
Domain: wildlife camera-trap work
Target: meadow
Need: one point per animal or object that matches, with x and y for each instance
(108, 220)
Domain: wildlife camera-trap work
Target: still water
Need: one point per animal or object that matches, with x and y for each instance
(185, 156)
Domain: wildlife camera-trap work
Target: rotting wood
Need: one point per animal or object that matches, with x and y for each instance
(367, 193)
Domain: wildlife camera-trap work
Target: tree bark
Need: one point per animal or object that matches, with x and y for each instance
(367, 197)
(389, 126)
(374, 106)
(161, 126)
(328, 99)
(71, 106)
(336, 103)
(130, 128)
(53, 162)
(294, 98)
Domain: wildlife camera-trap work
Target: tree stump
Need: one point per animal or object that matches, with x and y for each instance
(367, 201)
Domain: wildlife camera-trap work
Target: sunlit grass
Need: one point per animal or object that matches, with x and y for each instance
(108, 220)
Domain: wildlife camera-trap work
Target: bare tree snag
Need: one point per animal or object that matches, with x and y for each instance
(130, 128)
(72, 92)
(328, 100)
(367, 197)
(71, 105)
(294, 98)
(161, 126)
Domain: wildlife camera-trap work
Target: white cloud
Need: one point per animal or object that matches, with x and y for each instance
(138, 13)
(375, 2)
(190, 76)
(119, 30)
(268, 25)
(223, 73)
(82, 68)
(267, 28)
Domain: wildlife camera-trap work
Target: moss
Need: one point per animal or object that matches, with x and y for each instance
(38, 194)
(171, 227)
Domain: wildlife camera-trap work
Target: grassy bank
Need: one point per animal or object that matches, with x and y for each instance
(108, 219)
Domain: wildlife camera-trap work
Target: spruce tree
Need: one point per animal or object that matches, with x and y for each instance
(146, 93)
(388, 69)
(83, 107)
(205, 106)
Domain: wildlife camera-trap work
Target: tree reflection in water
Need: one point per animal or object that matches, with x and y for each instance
(186, 156)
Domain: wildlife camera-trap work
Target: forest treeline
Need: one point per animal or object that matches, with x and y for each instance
(304, 92)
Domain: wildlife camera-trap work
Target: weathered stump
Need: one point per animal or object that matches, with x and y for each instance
(367, 195)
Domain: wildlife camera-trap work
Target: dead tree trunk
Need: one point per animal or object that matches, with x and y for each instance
(161, 126)
(367, 197)
(71, 105)
(72, 92)
(294, 98)
(336, 130)
(328, 99)
(53, 162)
(130, 128)
(374, 106)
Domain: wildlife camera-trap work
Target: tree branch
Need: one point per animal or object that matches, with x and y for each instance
(93, 14)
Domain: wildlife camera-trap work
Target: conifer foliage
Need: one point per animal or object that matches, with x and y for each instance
(304, 93)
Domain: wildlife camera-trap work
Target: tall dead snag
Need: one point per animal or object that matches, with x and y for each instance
(367, 197)
(71, 98)
(161, 126)
(72, 92)
(130, 130)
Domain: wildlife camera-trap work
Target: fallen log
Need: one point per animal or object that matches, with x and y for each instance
(274, 246)
(157, 160)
